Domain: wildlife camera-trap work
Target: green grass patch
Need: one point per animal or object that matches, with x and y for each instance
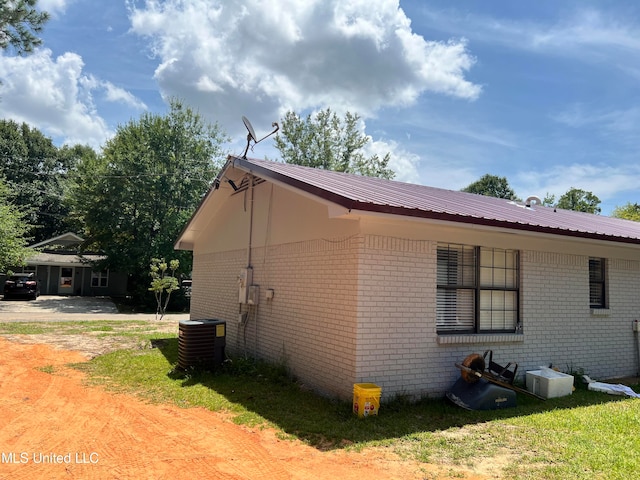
(143, 330)
(584, 435)
(48, 369)
(18, 328)
(587, 435)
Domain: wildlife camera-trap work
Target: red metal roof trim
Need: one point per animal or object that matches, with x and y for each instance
(370, 194)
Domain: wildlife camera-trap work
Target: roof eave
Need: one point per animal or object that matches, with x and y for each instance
(319, 192)
(524, 227)
(181, 244)
(352, 205)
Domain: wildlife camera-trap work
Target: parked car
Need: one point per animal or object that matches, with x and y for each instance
(186, 286)
(22, 285)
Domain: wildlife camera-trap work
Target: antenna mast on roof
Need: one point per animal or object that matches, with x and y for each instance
(252, 134)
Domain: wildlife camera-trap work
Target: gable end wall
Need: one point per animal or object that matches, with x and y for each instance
(308, 326)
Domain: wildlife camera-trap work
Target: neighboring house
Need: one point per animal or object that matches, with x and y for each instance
(369, 280)
(62, 271)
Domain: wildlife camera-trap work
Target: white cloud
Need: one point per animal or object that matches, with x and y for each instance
(54, 7)
(116, 94)
(589, 31)
(605, 181)
(262, 58)
(55, 96)
(584, 34)
(403, 163)
(620, 125)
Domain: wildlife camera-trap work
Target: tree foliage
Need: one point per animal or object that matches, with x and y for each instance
(630, 211)
(580, 201)
(35, 170)
(163, 282)
(13, 230)
(136, 197)
(328, 142)
(492, 186)
(20, 22)
(549, 200)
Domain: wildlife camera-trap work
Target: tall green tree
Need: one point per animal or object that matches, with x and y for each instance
(36, 171)
(20, 22)
(13, 231)
(136, 197)
(329, 142)
(492, 186)
(630, 211)
(580, 201)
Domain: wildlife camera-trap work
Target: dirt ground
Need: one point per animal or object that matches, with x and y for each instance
(56, 427)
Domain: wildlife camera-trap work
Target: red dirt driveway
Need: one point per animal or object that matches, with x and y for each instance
(55, 427)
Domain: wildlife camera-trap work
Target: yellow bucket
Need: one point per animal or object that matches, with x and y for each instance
(366, 399)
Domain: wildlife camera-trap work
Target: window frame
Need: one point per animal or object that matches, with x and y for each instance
(601, 283)
(99, 276)
(478, 287)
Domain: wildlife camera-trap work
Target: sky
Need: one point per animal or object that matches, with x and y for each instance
(544, 93)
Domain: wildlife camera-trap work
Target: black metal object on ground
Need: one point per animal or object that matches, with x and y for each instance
(472, 370)
(481, 395)
(201, 343)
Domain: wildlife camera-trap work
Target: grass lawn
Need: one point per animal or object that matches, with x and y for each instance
(585, 435)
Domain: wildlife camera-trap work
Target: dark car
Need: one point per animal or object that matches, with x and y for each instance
(186, 287)
(22, 285)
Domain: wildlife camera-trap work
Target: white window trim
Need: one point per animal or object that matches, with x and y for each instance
(478, 288)
(484, 338)
(99, 275)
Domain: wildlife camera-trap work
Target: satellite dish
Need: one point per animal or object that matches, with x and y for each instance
(252, 134)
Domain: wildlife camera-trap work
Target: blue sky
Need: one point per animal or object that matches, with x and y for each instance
(545, 93)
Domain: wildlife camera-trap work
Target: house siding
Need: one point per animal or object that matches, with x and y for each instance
(398, 346)
(309, 325)
(396, 312)
(560, 328)
(362, 309)
(355, 294)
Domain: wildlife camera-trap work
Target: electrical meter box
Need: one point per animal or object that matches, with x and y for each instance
(245, 279)
(254, 295)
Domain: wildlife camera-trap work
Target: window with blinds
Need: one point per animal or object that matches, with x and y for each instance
(597, 284)
(477, 289)
(456, 288)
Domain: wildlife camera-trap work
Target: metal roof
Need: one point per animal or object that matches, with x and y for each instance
(369, 194)
(65, 239)
(64, 260)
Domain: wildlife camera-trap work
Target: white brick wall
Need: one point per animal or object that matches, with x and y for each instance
(395, 337)
(362, 309)
(400, 350)
(309, 326)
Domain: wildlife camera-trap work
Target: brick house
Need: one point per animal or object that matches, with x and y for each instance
(368, 280)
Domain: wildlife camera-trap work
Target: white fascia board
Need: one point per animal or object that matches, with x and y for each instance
(334, 210)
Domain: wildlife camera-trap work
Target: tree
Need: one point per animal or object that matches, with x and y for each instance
(630, 211)
(492, 186)
(20, 21)
(136, 197)
(549, 200)
(13, 243)
(580, 201)
(163, 284)
(36, 171)
(325, 141)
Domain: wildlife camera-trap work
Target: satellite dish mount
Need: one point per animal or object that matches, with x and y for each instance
(252, 134)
